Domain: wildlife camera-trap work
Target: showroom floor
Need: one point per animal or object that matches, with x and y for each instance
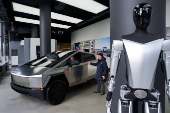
(78, 100)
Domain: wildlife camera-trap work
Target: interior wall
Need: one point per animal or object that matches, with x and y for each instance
(95, 31)
(16, 45)
(36, 42)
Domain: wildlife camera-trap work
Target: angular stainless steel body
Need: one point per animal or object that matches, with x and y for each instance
(35, 77)
(28, 76)
(30, 82)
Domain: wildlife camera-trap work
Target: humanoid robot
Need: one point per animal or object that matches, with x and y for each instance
(141, 58)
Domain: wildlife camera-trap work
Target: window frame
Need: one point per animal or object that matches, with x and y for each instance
(70, 57)
(88, 60)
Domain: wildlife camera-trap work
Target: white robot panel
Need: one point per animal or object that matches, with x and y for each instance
(143, 60)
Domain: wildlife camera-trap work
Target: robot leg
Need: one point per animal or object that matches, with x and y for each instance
(146, 109)
(152, 105)
(159, 108)
(125, 103)
(131, 107)
(119, 106)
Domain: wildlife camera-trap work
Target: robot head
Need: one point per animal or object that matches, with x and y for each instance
(142, 15)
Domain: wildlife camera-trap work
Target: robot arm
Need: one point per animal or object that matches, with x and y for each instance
(166, 58)
(117, 47)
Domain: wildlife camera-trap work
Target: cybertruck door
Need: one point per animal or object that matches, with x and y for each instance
(91, 70)
(63, 67)
(78, 73)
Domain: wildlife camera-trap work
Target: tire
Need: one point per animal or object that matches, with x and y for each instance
(56, 92)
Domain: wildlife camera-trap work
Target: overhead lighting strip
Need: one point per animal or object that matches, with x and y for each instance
(87, 5)
(35, 11)
(31, 21)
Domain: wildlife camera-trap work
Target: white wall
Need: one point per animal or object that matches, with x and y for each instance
(95, 31)
(36, 42)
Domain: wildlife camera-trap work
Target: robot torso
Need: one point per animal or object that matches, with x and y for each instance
(141, 62)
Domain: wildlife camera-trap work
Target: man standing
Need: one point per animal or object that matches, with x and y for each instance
(101, 73)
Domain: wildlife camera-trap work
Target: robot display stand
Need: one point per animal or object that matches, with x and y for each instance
(141, 58)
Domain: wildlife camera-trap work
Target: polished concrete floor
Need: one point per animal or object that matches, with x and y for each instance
(79, 100)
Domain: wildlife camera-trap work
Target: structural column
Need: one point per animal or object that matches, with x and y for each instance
(121, 18)
(34, 31)
(45, 27)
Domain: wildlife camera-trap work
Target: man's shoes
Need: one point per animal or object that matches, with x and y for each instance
(96, 92)
(102, 93)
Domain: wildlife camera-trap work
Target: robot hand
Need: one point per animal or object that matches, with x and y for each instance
(111, 88)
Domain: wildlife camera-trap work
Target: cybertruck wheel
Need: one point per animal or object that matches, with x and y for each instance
(56, 92)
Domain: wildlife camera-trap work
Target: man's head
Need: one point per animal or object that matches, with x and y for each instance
(72, 58)
(100, 56)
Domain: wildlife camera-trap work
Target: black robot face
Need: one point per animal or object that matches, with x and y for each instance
(142, 15)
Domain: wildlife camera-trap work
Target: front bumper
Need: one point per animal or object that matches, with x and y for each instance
(33, 92)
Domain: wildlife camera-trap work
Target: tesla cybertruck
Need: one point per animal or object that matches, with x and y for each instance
(49, 77)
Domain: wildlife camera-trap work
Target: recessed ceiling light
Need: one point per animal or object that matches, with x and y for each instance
(26, 20)
(88, 5)
(60, 25)
(65, 18)
(31, 21)
(25, 9)
(35, 11)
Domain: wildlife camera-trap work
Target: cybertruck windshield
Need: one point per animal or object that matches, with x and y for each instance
(50, 59)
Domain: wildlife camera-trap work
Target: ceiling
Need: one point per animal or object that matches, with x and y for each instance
(57, 7)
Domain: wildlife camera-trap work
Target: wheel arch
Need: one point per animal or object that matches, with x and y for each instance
(54, 77)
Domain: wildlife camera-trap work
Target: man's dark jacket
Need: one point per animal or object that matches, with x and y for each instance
(102, 69)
